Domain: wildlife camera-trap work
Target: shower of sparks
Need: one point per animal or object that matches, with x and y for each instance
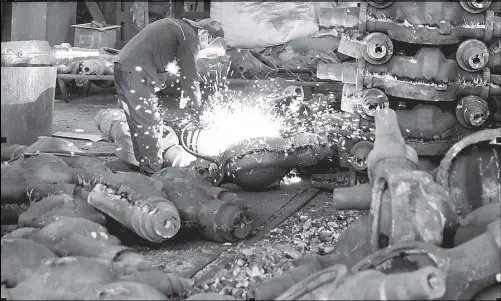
(233, 117)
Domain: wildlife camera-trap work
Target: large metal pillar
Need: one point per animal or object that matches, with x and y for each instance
(45, 21)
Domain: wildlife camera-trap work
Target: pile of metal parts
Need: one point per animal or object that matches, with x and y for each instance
(425, 87)
(421, 123)
(436, 63)
(154, 207)
(68, 204)
(426, 237)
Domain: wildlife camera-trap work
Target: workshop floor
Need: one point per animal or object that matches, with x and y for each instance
(314, 229)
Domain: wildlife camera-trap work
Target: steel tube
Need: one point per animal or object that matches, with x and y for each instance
(238, 81)
(89, 77)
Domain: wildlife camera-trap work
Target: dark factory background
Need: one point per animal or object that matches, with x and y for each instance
(121, 20)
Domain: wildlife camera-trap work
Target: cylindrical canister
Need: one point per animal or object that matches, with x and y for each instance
(27, 103)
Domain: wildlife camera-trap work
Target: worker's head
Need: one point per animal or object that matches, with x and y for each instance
(208, 30)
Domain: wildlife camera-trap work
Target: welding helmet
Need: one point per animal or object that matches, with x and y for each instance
(208, 30)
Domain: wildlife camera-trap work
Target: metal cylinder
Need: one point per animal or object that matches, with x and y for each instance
(377, 48)
(339, 17)
(475, 6)
(92, 66)
(472, 111)
(359, 154)
(65, 54)
(427, 283)
(27, 103)
(224, 221)
(373, 100)
(176, 156)
(37, 53)
(201, 141)
(154, 219)
(472, 55)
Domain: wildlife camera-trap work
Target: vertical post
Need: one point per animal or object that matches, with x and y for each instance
(124, 19)
(206, 4)
(6, 21)
(178, 9)
(29, 21)
(60, 17)
(140, 15)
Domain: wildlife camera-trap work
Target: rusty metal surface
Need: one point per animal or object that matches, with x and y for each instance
(428, 75)
(472, 55)
(406, 202)
(495, 56)
(217, 213)
(336, 283)
(255, 164)
(189, 256)
(470, 171)
(411, 213)
(469, 268)
(446, 22)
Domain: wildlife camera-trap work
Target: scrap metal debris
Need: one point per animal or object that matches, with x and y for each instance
(413, 139)
(243, 267)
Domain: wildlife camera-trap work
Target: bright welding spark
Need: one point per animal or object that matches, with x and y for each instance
(233, 116)
(291, 178)
(172, 68)
(230, 119)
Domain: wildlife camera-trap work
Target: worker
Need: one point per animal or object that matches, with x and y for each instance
(165, 48)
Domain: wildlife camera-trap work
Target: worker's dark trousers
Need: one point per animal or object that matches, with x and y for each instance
(140, 104)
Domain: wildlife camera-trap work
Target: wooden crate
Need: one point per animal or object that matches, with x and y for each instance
(87, 36)
(118, 12)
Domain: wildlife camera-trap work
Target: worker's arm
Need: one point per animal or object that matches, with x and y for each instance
(187, 52)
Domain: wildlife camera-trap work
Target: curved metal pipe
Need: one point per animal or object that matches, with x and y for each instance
(219, 166)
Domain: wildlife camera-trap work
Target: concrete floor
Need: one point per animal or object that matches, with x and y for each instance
(183, 255)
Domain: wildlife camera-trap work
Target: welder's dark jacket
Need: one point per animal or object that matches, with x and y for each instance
(159, 44)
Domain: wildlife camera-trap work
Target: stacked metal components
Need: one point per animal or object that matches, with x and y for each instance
(425, 75)
(142, 204)
(436, 63)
